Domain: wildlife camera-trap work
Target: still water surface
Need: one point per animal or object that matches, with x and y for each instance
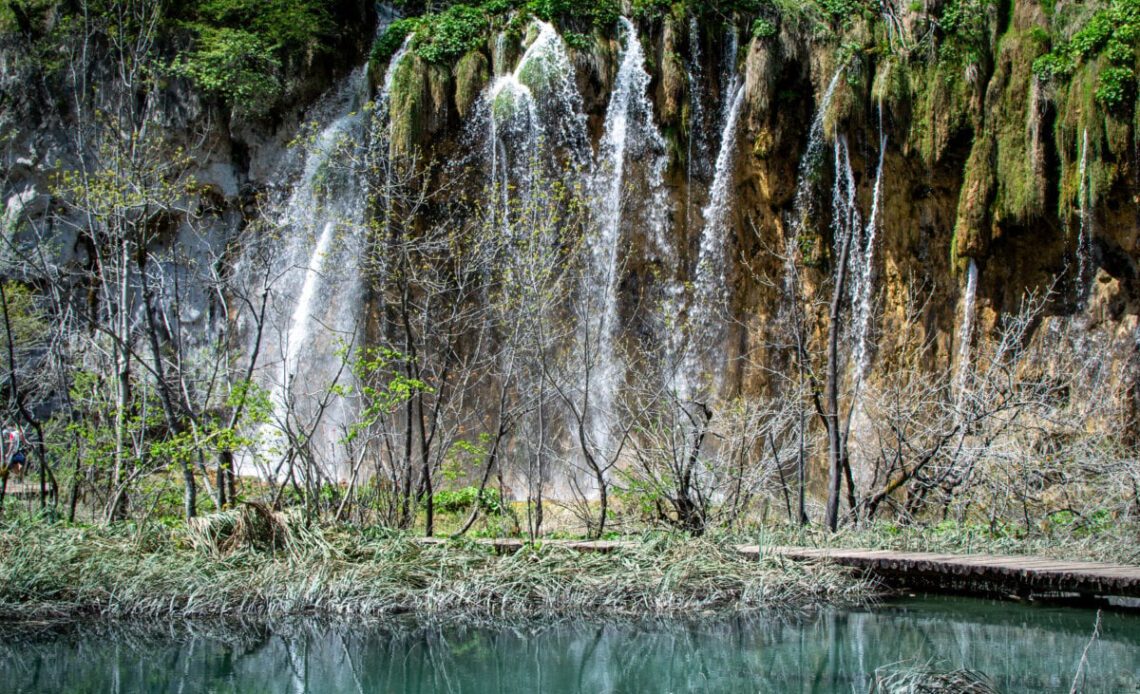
(1020, 648)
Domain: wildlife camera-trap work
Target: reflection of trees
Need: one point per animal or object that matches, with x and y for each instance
(1020, 649)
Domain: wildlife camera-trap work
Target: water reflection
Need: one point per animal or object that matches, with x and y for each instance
(1022, 649)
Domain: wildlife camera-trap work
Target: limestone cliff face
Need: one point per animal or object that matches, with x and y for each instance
(984, 161)
(54, 95)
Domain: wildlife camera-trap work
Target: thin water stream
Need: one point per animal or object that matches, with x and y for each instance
(1018, 648)
(630, 134)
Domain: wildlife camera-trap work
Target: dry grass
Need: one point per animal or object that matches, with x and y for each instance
(251, 562)
(924, 680)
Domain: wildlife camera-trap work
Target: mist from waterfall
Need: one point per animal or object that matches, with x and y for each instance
(317, 310)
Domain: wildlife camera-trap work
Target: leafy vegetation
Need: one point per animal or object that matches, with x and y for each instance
(240, 46)
(464, 499)
(1111, 37)
(237, 50)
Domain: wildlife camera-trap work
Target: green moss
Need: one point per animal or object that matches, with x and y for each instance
(471, 75)
(1110, 38)
(937, 99)
(409, 97)
(505, 106)
(1014, 120)
(972, 225)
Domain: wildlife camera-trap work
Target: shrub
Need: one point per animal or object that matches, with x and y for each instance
(463, 499)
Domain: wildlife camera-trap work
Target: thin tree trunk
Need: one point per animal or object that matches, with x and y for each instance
(835, 454)
(783, 480)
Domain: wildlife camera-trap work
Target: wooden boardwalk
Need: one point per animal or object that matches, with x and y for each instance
(973, 573)
(1016, 575)
(17, 490)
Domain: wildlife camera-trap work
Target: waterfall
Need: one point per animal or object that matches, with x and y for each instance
(729, 75)
(846, 226)
(804, 201)
(532, 114)
(1085, 236)
(863, 287)
(514, 135)
(320, 286)
(499, 54)
(630, 135)
(698, 145)
(317, 305)
(709, 275)
(711, 260)
(966, 331)
(380, 151)
(845, 221)
(384, 99)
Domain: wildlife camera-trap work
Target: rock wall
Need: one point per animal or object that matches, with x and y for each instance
(983, 161)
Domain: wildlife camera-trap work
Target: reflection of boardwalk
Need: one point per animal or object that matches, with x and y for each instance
(967, 573)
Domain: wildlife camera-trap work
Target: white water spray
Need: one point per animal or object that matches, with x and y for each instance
(709, 280)
(532, 113)
(966, 331)
(630, 135)
(320, 288)
(1085, 236)
(805, 200)
(863, 276)
(698, 140)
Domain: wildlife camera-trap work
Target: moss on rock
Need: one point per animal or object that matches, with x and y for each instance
(409, 104)
(471, 76)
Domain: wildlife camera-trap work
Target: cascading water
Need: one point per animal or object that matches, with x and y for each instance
(698, 139)
(630, 135)
(711, 260)
(863, 271)
(515, 132)
(845, 219)
(709, 275)
(318, 306)
(729, 74)
(379, 155)
(966, 331)
(1085, 236)
(532, 114)
(846, 225)
(326, 204)
(804, 202)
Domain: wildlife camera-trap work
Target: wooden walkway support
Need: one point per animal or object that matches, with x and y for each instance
(973, 573)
